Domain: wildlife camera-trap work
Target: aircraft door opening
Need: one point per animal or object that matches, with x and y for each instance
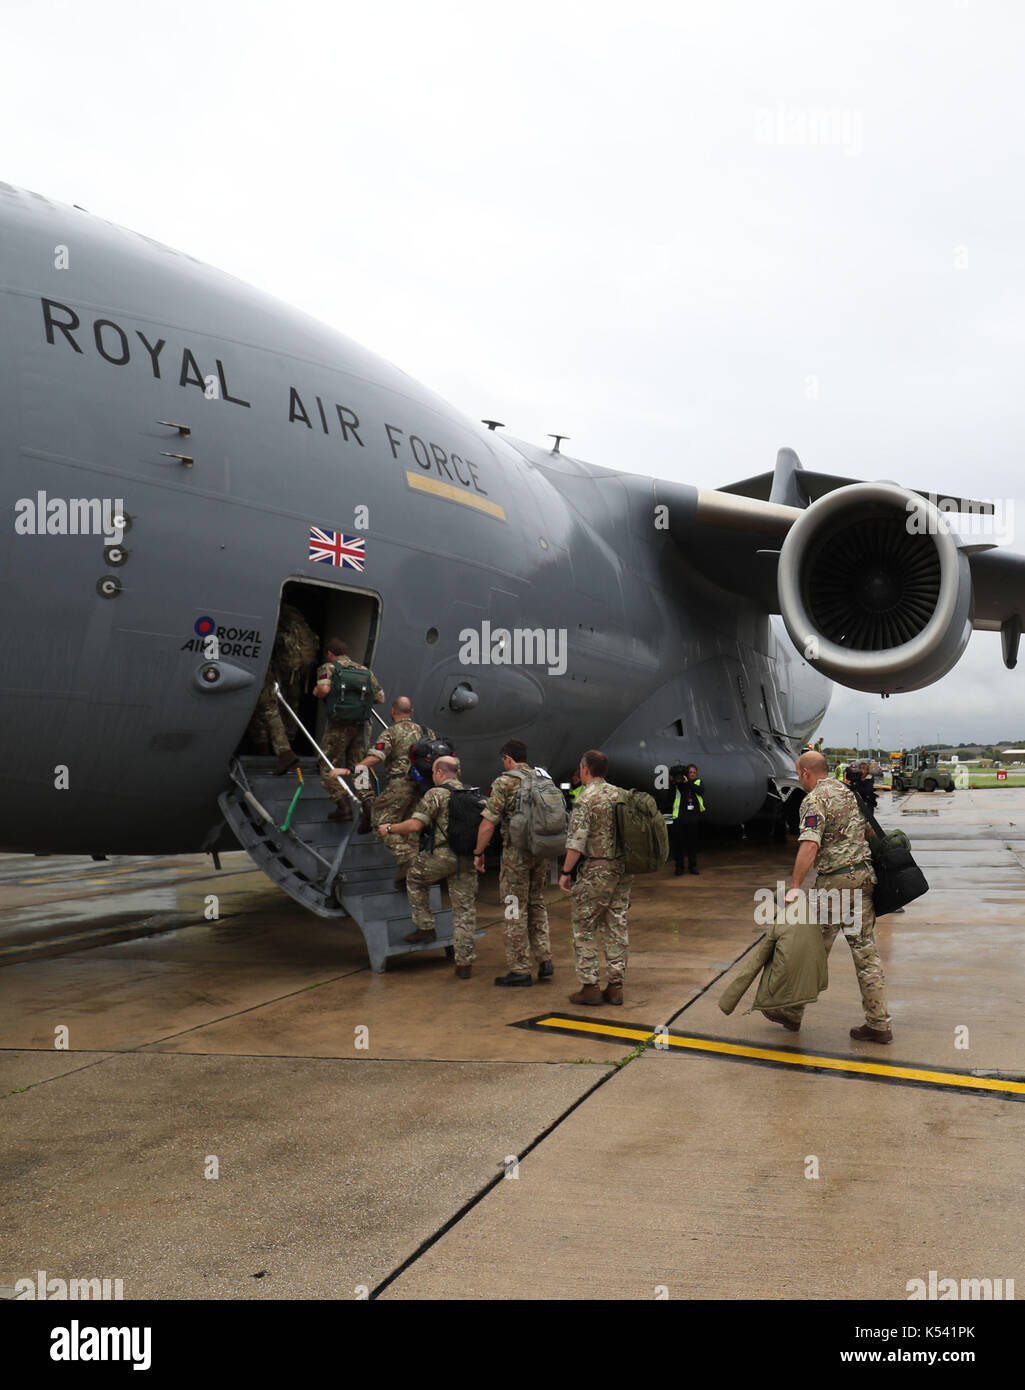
(333, 611)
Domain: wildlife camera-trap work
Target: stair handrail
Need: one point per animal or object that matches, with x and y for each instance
(323, 756)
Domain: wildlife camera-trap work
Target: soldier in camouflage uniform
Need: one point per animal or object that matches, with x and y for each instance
(293, 655)
(522, 876)
(399, 795)
(834, 843)
(441, 862)
(601, 894)
(343, 739)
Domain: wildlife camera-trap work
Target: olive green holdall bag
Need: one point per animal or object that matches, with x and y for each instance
(643, 839)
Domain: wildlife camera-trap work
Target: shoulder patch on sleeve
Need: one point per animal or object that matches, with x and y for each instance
(811, 821)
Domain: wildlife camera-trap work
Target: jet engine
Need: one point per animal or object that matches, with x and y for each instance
(875, 589)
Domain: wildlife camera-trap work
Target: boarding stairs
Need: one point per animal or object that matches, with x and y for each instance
(324, 864)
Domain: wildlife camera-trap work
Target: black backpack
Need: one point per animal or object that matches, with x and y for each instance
(465, 807)
(424, 753)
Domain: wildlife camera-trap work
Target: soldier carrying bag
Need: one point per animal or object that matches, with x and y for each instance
(899, 880)
(641, 831)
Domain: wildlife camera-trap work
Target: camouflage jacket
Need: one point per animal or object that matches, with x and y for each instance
(394, 745)
(324, 674)
(295, 643)
(502, 801)
(831, 817)
(592, 825)
(433, 807)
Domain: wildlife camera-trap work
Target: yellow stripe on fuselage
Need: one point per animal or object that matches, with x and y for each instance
(455, 494)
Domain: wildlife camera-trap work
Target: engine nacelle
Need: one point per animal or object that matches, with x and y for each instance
(875, 590)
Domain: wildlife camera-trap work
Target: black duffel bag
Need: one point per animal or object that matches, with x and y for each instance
(899, 880)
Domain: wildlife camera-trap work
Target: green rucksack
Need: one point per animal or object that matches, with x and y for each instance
(351, 696)
(641, 831)
(539, 822)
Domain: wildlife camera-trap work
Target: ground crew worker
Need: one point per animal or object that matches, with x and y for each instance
(343, 739)
(833, 841)
(292, 657)
(398, 796)
(601, 894)
(432, 866)
(522, 876)
(688, 805)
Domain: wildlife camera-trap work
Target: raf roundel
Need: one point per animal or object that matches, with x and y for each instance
(204, 626)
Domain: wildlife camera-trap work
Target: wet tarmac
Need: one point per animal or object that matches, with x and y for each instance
(239, 1108)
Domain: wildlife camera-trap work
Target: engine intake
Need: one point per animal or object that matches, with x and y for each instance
(874, 589)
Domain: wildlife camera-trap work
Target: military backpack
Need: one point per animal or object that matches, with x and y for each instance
(465, 808)
(641, 831)
(423, 754)
(351, 696)
(539, 821)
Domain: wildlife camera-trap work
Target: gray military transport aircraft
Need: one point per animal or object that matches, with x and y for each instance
(181, 452)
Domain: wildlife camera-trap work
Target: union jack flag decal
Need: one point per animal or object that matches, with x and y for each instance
(332, 548)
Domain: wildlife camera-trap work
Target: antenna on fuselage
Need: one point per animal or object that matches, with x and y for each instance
(494, 424)
(558, 440)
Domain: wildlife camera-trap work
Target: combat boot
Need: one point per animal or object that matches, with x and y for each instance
(415, 937)
(545, 970)
(613, 992)
(514, 978)
(586, 994)
(364, 821)
(774, 1016)
(286, 762)
(463, 972)
(342, 811)
(876, 1035)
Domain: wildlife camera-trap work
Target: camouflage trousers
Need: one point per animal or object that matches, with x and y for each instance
(867, 965)
(269, 723)
(522, 880)
(396, 804)
(462, 891)
(600, 900)
(344, 744)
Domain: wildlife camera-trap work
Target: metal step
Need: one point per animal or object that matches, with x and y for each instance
(323, 864)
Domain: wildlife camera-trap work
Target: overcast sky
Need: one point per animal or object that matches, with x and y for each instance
(682, 234)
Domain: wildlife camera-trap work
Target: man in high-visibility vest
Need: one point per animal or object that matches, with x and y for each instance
(688, 805)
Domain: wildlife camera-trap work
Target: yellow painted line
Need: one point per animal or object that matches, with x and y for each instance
(605, 1030)
(455, 494)
(794, 1059)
